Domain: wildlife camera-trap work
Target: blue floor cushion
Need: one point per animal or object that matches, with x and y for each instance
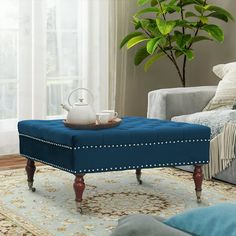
(218, 220)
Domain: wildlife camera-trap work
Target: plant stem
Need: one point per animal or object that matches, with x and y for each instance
(171, 56)
(185, 58)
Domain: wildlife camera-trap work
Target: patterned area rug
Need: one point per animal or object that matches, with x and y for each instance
(108, 196)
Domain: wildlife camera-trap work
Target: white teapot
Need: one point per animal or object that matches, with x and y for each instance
(80, 113)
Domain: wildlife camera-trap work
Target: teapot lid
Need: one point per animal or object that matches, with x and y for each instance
(81, 100)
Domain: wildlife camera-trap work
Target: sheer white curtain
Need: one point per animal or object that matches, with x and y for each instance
(48, 48)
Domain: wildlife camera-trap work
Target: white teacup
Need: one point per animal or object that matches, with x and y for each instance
(102, 118)
(112, 114)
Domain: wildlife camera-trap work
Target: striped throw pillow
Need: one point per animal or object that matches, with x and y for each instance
(226, 91)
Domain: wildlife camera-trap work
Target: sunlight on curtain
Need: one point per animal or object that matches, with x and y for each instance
(48, 48)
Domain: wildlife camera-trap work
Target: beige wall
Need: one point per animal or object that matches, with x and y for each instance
(163, 74)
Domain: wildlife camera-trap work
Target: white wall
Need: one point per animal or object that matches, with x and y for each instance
(163, 74)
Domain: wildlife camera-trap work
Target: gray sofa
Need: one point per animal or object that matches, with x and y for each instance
(167, 103)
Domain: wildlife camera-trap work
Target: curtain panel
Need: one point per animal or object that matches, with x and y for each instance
(48, 48)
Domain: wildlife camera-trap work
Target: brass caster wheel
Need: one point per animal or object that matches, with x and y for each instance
(79, 207)
(198, 194)
(140, 181)
(31, 188)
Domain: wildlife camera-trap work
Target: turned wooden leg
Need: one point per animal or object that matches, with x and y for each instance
(30, 170)
(198, 178)
(138, 176)
(79, 187)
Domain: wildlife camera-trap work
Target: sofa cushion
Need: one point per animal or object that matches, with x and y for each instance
(226, 91)
(217, 220)
(144, 225)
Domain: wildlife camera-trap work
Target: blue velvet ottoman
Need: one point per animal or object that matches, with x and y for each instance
(135, 144)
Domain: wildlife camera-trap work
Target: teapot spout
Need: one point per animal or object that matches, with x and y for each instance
(65, 107)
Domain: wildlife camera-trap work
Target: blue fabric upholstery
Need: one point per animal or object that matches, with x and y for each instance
(136, 143)
(216, 220)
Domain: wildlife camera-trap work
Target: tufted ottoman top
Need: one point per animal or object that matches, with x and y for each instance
(136, 143)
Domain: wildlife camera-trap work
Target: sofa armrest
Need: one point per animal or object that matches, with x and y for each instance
(166, 103)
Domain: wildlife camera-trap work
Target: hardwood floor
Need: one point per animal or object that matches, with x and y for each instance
(10, 162)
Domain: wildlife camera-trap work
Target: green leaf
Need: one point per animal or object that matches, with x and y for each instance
(165, 27)
(190, 2)
(219, 10)
(152, 60)
(203, 19)
(182, 39)
(215, 32)
(140, 55)
(148, 10)
(219, 16)
(199, 9)
(153, 44)
(189, 54)
(178, 53)
(150, 26)
(190, 14)
(138, 39)
(154, 3)
(184, 23)
(170, 8)
(200, 38)
(142, 2)
(128, 37)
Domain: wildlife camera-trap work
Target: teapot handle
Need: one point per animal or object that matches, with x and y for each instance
(91, 95)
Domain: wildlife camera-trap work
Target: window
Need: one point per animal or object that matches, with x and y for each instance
(64, 44)
(8, 58)
(47, 49)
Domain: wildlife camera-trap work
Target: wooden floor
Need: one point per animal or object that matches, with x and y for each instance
(10, 162)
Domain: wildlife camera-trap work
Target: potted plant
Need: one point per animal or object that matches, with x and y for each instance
(172, 30)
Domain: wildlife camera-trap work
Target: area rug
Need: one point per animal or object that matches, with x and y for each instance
(108, 196)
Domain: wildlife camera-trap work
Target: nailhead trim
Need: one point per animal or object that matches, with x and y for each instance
(113, 168)
(142, 166)
(44, 141)
(144, 144)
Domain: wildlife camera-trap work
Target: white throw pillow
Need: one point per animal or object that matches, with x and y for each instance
(226, 91)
